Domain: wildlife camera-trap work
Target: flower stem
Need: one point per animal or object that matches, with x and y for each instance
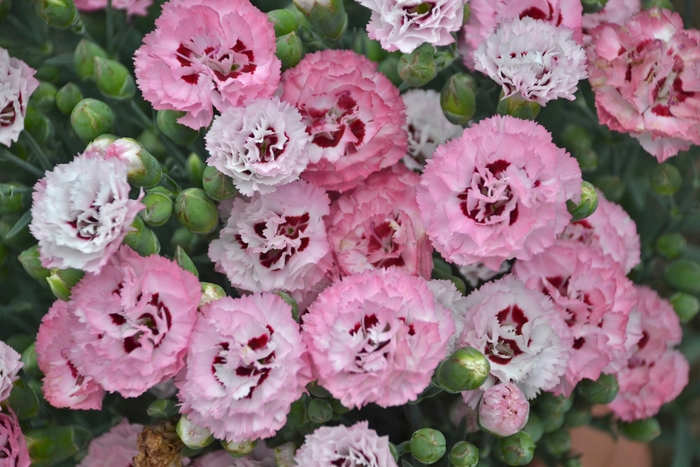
(40, 154)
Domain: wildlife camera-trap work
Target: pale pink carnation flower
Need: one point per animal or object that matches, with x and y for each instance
(427, 126)
(18, 83)
(532, 58)
(216, 53)
(609, 230)
(405, 24)
(353, 114)
(615, 11)
(487, 15)
(478, 273)
(497, 192)
(10, 364)
(116, 448)
(132, 7)
(135, 320)
(245, 367)
(81, 212)
(377, 337)
(260, 146)
(275, 241)
(345, 446)
(645, 76)
(447, 295)
(13, 446)
(378, 224)
(224, 459)
(503, 410)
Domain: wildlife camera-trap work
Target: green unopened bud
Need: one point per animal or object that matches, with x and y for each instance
(587, 160)
(44, 97)
(51, 446)
(534, 427)
(158, 209)
(142, 239)
(593, 6)
(428, 445)
(150, 141)
(417, 68)
(143, 169)
(685, 305)
(91, 118)
(195, 169)
(640, 431)
(464, 454)
(548, 402)
(11, 198)
(84, 58)
(389, 68)
(457, 99)
(671, 245)
(557, 443)
(284, 21)
(5, 6)
(29, 259)
(23, 400)
(363, 45)
(61, 282)
(185, 262)
(517, 449)
(113, 79)
(68, 97)
(611, 186)
(466, 14)
(465, 370)
(575, 138)
(217, 185)
(602, 391)
(61, 14)
(319, 411)
(684, 275)
(666, 4)
(210, 293)
(161, 409)
(193, 436)
(178, 133)
(38, 125)
(30, 366)
(552, 421)
(578, 416)
(196, 211)
(239, 449)
(289, 50)
(517, 106)
(326, 16)
(586, 206)
(665, 179)
(573, 462)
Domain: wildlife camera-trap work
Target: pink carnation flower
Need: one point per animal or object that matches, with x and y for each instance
(116, 448)
(503, 410)
(64, 385)
(377, 337)
(260, 146)
(447, 295)
(497, 192)
(405, 24)
(345, 446)
(275, 241)
(135, 318)
(353, 115)
(132, 7)
(378, 225)
(18, 83)
(224, 459)
(13, 446)
(533, 58)
(487, 15)
(615, 11)
(609, 230)
(217, 53)
(10, 364)
(245, 367)
(645, 77)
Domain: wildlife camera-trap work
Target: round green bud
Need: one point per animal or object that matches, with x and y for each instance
(11, 198)
(297, 413)
(552, 421)
(548, 402)
(464, 454)
(417, 68)
(428, 445)
(573, 462)
(210, 293)
(587, 160)
(193, 436)
(144, 169)
(465, 370)
(161, 409)
(142, 240)
(327, 17)
(389, 68)
(61, 282)
(685, 305)
(671, 245)
(319, 411)
(517, 106)
(44, 97)
(640, 431)
(575, 138)
(284, 21)
(593, 6)
(152, 144)
(68, 97)
(158, 209)
(577, 416)
(5, 6)
(611, 186)
(61, 14)
(84, 58)
(91, 118)
(557, 443)
(113, 79)
(29, 259)
(534, 427)
(517, 449)
(586, 206)
(195, 169)
(665, 179)
(289, 50)
(684, 275)
(241, 449)
(184, 261)
(602, 391)
(457, 99)
(178, 133)
(38, 125)
(217, 185)
(196, 211)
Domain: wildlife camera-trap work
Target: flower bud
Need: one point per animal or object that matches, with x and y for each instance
(289, 50)
(671, 245)
(586, 206)
(611, 186)
(534, 427)
(593, 6)
(284, 21)
(517, 106)
(319, 411)
(417, 68)
(189, 242)
(61, 281)
(363, 45)
(144, 170)
(665, 179)
(557, 443)
(196, 212)
(184, 261)
(50, 446)
(326, 16)
(158, 209)
(503, 410)
(195, 169)
(573, 462)
(168, 125)
(84, 58)
(602, 391)
(428, 445)
(5, 6)
(150, 141)
(23, 400)
(210, 293)
(29, 259)
(44, 97)
(552, 421)
(30, 366)
(548, 402)
(457, 99)
(193, 436)
(91, 118)
(61, 14)
(465, 370)
(113, 79)
(464, 454)
(161, 408)
(239, 449)
(217, 185)
(389, 68)
(38, 125)
(142, 240)
(578, 416)
(587, 160)
(517, 449)
(684, 275)
(68, 97)
(640, 431)
(686, 306)
(575, 138)
(11, 199)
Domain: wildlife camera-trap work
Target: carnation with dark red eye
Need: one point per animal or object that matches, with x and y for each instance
(116, 448)
(353, 114)
(497, 192)
(245, 366)
(134, 321)
(13, 445)
(18, 83)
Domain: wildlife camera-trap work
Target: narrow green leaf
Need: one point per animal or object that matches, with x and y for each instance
(20, 224)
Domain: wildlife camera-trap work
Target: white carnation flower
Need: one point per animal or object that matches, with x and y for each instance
(10, 364)
(16, 85)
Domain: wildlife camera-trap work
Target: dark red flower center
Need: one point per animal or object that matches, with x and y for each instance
(329, 126)
(7, 115)
(292, 228)
(223, 62)
(504, 349)
(489, 195)
(153, 323)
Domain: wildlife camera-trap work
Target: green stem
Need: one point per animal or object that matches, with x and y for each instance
(40, 154)
(110, 28)
(142, 117)
(8, 156)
